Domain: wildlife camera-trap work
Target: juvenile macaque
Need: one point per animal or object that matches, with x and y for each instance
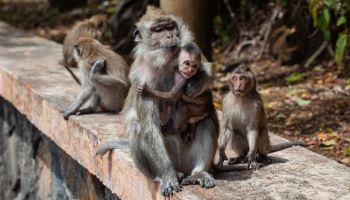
(104, 78)
(93, 27)
(244, 121)
(194, 109)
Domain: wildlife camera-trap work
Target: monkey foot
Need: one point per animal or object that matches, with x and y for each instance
(168, 186)
(253, 165)
(203, 179)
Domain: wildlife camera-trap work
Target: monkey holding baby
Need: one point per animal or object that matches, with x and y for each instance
(188, 110)
(161, 156)
(244, 122)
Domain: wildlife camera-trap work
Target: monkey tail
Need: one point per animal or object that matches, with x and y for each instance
(61, 62)
(228, 168)
(115, 144)
(284, 145)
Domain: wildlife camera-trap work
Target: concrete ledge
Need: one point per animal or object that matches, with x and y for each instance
(33, 81)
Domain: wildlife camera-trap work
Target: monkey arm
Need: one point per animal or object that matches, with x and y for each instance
(84, 94)
(104, 79)
(173, 95)
(107, 80)
(223, 141)
(252, 136)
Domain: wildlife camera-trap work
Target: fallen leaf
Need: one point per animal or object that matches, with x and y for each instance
(303, 102)
(347, 151)
(347, 139)
(328, 143)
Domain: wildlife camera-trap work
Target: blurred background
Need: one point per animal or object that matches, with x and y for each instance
(299, 51)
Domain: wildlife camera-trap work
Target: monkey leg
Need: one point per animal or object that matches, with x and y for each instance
(240, 147)
(200, 154)
(263, 147)
(149, 152)
(252, 136)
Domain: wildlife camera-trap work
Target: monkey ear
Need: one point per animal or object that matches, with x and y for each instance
(137, 36)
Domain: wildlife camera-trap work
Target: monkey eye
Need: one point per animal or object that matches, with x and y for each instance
(234, 78)
(187, 63)
(170, 27)
(157, 29)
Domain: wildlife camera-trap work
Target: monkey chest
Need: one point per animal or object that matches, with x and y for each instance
(242, 117)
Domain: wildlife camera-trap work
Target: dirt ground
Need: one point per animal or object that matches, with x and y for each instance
(301, 104)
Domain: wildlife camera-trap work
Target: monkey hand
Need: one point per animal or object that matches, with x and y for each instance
(67, 113)
(143, 90)
(222, 158)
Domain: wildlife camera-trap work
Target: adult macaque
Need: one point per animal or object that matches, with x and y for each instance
(189, 110)
(244, 121)
(158, 155)
(93, 27)
(104, 78)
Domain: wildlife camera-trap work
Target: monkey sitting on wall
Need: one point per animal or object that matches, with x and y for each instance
(194, 109)
(104, 78)
(93, 27)
(244, 120)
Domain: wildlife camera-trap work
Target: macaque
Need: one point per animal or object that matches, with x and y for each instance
(187, 111)
(93, 27)
(244, 121)
(104, 78)
(161, 156)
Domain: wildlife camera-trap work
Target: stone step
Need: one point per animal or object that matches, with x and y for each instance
(33, 81)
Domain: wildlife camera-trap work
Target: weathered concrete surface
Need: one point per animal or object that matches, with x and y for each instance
(38, 87)
(33, 167)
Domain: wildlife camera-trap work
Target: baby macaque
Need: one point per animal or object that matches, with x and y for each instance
(244, 121)
(93, 27)
(191, 110)
(104, 78)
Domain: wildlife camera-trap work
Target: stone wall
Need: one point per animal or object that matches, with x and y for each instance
(34, 167)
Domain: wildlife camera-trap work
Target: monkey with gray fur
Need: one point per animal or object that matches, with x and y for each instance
(244, 121)
(104, 78)
(159, 155)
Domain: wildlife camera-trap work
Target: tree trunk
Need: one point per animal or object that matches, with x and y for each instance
(197, 15)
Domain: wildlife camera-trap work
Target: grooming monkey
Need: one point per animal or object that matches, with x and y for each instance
(104, 78)
(93, 27)
(159, 155)
(244, 120)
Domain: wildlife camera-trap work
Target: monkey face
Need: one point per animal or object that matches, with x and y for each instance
(188, 64)
(164, 34)
(241, 84)
(100, 23)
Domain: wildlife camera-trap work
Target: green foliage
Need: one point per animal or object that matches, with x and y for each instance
(220, 29)
(330, 16)
(347, 151)
(294, 77)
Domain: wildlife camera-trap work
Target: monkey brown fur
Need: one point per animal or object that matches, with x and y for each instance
(104, 78)
(244, 121)
(93, 27)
